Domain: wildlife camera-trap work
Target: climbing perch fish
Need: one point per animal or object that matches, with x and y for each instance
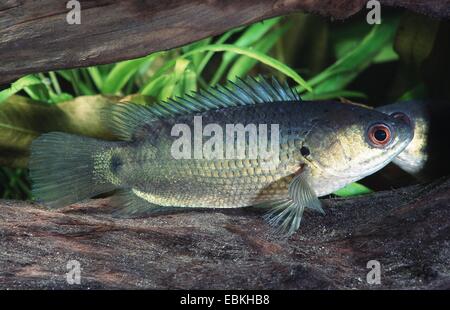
(322, 146)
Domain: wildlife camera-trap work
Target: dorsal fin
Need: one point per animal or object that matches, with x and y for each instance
(123, 119)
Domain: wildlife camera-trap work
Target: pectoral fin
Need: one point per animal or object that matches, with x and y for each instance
(286, 214)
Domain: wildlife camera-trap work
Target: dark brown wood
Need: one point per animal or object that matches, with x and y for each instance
(406, 230)
(35, 37)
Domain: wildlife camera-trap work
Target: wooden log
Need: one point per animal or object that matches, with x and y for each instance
(35, 35)
(406, 230)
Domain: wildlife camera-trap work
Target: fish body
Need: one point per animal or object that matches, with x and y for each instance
(320, 147)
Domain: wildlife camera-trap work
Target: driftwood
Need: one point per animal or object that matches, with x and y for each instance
(35, 35)
(406, 230)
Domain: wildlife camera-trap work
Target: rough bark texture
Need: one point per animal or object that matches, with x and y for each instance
(35, 36)
(406, 230)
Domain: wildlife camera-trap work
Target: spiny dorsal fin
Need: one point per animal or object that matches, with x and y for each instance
(123, 119)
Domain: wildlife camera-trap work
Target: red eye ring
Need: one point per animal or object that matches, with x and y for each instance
(379, 135)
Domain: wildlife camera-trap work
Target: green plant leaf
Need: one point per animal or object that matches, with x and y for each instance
(14, 183)
(196, 59)
(267, 60)
(418, 92)
(58, 98)
(343, 71)
(244, 64)
(250, 36)
(172, 87)
(190, 81)
(23, 119)
(353, 189)
(415, 39)
(387, 54)
(206, 58)
(96, 76)
(153, 87)
(73, 77)
(121, 74)
(19, 85)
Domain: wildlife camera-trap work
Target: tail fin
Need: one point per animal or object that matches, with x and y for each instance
(62, 169)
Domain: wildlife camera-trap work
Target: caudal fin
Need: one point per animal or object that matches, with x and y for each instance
(62, 169)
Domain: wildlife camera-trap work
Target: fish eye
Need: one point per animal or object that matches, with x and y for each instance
(379, 135)
(305, 151)
(402, 116)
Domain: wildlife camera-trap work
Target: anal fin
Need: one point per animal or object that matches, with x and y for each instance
(131, 203)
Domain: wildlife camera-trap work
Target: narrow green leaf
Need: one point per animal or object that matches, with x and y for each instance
(267, 60)
(208, 56)
(171, 89)
(96, 76)
(58, 98)
(73, 77)
(190, 81)
(196, 59)
(19, 85)
(55, 82)
(153, 87)
(121, 74)
(244, 64)
(353, 189)
(343, 71)
(418, 92)
(250, 36)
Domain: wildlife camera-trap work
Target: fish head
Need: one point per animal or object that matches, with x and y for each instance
(348, 142)
(414, 157)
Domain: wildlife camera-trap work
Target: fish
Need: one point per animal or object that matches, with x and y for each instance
(304, 150)
(426, 157)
